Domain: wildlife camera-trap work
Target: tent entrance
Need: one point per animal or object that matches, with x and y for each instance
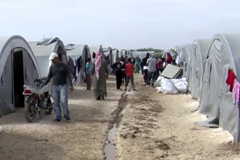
(18, 79)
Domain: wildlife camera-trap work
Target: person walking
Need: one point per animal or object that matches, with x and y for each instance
(145, 70)
(129, 74)
(117, 67)
(100, 72)
(159, 68)
(89, 73)
(152, 66)
(60, 75)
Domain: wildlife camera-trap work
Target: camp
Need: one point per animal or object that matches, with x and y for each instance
(18, 67)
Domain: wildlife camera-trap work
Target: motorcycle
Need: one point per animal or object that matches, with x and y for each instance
(37, 99)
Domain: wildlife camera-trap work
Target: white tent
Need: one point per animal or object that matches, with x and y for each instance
(216, 99)
(197, 62)
(18, 66)
(95, 49)
(77, 51)
(185, 59)
(43, 50)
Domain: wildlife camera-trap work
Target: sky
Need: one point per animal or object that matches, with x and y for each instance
(127, 24)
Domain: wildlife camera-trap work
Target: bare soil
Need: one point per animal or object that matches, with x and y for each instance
(156, 126)
(82, 139)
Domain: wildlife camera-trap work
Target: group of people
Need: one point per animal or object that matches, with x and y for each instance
(124, 69)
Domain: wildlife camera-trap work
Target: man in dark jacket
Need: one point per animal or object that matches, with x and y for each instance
(59, 74)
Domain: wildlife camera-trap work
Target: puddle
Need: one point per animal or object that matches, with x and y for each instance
(110, 149)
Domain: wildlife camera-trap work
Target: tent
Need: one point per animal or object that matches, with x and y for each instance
(42, 51)
(115, 54)
(185, 59)
(197, 62)
(95, 49)
(141, 54)
(18, 66)
(76, 51)
(109, 52)
(216, 99)
(125, 52)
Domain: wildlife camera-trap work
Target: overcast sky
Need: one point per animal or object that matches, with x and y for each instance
(120, 23)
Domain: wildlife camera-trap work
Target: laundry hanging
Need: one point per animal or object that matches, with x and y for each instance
(230, 80)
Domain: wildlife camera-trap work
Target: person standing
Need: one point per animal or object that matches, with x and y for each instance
(89, 73)
(159, 68)
(137, 65)
(129, 74)
(152, 66)
(100, 70)
(117, 67)
(145, 71)
(60, 75)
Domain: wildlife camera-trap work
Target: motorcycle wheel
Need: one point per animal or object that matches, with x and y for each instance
(29, 111)
(49, 111)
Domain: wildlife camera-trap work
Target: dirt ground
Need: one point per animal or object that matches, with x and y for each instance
(156, 126)
(82, 139)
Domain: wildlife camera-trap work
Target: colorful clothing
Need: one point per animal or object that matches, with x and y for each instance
(129, 69)
(230, 80)
(98, 61)
(236, 91)
(88, 68)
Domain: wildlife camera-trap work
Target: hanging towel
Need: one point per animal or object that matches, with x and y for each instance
(230, 80)
(236, 91)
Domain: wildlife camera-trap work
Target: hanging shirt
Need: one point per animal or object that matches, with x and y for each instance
(236, 91)
(89, 68)
(230, 80)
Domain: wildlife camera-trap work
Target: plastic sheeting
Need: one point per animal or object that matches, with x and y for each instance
(9, 46)
(216, 100)
(197, 62)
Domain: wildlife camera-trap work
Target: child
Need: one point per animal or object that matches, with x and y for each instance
(129, 74)
(88, 73)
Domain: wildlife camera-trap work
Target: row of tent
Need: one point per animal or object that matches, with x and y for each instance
(211, 67)
(21, 62)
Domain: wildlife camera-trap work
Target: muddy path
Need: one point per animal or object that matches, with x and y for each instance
(156, 126)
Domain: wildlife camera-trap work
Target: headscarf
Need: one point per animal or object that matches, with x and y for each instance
(98, 63)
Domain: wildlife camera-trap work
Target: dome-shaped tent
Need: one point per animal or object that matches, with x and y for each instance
(185, 59)
(109, 52)
(79, 54)
(77, 51)
(42, 51)
(18, 66)
(95, 49)
(216, 99)
(197, 62)
(115, 54)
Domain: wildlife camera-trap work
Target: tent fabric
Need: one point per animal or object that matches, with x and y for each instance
(111, 55)
(79, 50)
(197, 63)
(185, 59)
(115, 54)
(216, 99)
(95, 49)
(75, 51)
(42, 53)
(8, 47)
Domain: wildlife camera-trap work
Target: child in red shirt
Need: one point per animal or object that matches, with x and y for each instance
(129, 74)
